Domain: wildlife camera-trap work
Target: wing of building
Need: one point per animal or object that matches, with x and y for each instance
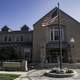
(46, 38)
(16, 45)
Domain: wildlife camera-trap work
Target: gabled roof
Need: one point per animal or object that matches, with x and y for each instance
(49, 14)
(40, 20)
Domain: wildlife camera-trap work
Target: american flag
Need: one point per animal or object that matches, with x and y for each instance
(49, 21)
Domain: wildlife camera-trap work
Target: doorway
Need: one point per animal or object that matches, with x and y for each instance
(53, 55)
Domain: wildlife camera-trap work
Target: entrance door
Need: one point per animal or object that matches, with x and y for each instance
(53, 56)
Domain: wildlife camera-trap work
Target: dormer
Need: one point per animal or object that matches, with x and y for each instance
(24, 28)
(5, 28)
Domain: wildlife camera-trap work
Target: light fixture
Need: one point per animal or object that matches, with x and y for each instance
(72, 40)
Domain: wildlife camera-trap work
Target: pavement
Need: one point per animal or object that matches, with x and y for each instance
(12, 72)
(37, 74)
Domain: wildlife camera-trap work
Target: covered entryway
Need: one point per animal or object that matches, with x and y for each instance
(53, 53)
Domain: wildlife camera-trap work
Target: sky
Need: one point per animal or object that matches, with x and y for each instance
(16, 13)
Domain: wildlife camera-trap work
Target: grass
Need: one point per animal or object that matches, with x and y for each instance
(8, 76)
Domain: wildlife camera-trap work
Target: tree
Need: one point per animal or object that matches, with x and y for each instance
(8, 53)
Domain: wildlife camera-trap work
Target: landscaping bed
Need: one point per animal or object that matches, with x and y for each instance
(57, 73)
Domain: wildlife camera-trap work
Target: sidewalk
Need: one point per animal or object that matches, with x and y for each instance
(32, 75)
(38, 75)
(12, 72)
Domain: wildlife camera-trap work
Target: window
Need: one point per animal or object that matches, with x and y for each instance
(17, 38)
(58, 36)
(55, 34)
(21, 38)
(9, 38)
(5, 38)
(51, 34)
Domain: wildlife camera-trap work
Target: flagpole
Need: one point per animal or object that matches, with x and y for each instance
(60, 43)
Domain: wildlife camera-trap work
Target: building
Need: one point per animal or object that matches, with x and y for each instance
(20, 41)
(42, 43)
(46, 38)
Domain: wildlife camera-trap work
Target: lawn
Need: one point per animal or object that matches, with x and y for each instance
(8, 76)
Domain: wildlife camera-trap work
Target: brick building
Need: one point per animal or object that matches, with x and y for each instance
(46, 38)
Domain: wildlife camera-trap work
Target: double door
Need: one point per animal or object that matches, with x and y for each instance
(53, 56)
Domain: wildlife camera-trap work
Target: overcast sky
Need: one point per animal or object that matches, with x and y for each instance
(15, 13)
